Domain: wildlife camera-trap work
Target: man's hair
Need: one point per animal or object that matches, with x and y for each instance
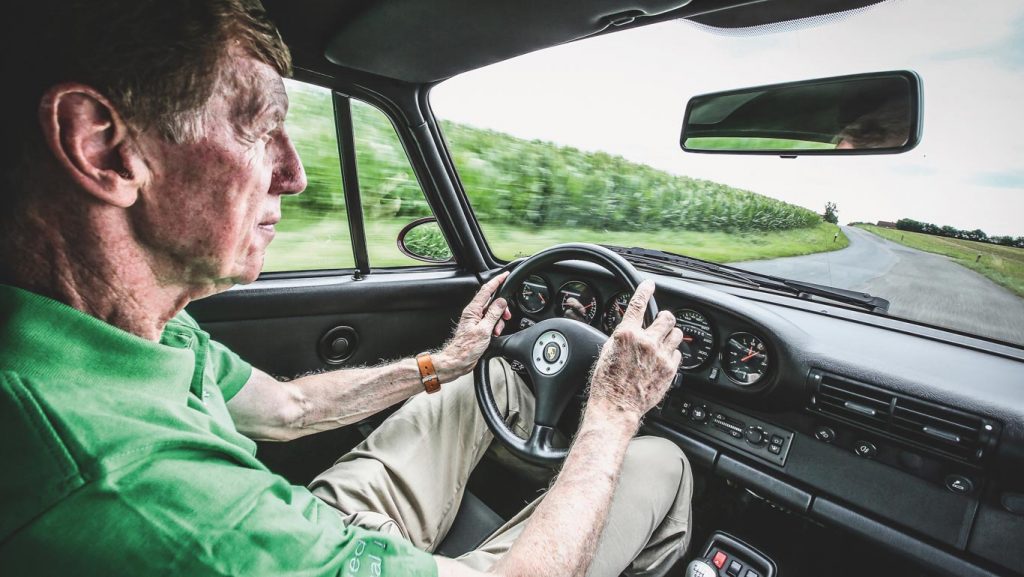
(157, 61)
(887, 126)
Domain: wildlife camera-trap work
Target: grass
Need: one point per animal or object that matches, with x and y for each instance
(1004, 265)
(324, 244)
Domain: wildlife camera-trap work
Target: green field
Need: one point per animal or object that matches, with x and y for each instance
(527, 194)
(324, 244)
(1002, 264)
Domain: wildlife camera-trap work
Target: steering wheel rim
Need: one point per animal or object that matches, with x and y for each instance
(578, 346)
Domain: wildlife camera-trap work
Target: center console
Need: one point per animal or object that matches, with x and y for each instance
(727, 556)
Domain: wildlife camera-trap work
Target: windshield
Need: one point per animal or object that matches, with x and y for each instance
(581, 143)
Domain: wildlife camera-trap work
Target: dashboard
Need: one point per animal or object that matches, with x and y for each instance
(714, 345)
(910, 436)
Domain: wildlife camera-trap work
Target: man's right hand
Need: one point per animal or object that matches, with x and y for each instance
(636, 365)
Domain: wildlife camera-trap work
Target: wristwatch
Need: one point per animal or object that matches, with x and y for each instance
(428, 376)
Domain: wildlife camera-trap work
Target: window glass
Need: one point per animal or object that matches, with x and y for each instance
(580, 142)
(392, 197)
(313, 232)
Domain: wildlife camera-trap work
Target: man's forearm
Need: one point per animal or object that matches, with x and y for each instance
(266, 409)
(562, 534)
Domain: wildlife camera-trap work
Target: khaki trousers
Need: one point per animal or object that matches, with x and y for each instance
(409, 476)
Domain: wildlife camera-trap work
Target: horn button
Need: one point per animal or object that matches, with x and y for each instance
(550, 352)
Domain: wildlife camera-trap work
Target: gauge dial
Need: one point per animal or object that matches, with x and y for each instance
(534, 294)
(614, 310)
(746, 358)
(577, 301)
(698, 338)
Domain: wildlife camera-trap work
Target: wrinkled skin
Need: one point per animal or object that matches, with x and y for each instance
(211, 206)
(473, 334)
(637, 365)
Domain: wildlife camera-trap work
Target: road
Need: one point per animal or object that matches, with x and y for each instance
(919, 285)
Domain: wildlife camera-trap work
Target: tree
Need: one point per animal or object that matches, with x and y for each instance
(831, 213)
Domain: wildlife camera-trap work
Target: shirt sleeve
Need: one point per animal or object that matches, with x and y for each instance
(181, 514)
(227, 370)
(230, 372)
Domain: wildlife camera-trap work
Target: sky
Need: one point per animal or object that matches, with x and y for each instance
(625, 93)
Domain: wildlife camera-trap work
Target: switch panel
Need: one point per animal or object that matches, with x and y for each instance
(738, 430)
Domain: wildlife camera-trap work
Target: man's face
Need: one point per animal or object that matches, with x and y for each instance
(208, 211)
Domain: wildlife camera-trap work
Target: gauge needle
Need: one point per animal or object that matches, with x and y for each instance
(687, 339)
(543, 300)
(748, 357)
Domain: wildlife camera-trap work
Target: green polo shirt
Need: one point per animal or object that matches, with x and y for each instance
(118, 457)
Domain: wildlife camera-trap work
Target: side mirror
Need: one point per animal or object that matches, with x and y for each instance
(423, 240)
(874, 113)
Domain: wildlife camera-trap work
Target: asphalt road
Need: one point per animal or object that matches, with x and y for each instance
(919, 285)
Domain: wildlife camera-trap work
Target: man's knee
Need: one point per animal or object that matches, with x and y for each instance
(658, 459)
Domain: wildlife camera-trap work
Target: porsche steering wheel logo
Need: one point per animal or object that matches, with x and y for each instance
(552, 352)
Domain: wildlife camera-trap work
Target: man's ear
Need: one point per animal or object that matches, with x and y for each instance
(91, 141)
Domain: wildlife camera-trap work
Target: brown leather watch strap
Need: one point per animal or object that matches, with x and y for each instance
(428, 376)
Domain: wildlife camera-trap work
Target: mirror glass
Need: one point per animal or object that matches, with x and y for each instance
(423, 240)
(860, 114)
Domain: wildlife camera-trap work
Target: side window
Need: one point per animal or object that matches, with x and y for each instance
(313, 233)
(391, 195)
(314, 230)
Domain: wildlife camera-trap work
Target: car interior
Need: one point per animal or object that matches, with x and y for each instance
(823, 439)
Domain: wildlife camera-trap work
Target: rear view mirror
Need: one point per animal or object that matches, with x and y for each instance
(876, 113)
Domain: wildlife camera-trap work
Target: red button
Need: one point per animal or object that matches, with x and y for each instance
(719, 559)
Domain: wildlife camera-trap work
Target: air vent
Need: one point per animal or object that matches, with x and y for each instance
(923, 424)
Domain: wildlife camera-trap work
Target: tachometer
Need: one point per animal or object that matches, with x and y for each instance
(614, 311)
(745, 358)
(698, 338)
(577, 301)
(534, 294)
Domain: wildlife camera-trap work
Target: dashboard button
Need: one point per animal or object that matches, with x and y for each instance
(754, 436)
(959, 484)
(734, 569)
(825, 434)
(719, 559)
(777, 440)
(698, 414)
(865, 449)
(775, 449)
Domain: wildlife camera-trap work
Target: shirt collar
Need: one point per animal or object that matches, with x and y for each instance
(41, 338)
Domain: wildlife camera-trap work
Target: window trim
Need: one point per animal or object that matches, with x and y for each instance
(350, 182)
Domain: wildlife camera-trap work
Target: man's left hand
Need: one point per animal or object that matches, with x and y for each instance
(476, 325)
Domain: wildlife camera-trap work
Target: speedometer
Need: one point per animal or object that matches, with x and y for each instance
(698, 339)
(745, 358)
(614, 311)
(577, 301)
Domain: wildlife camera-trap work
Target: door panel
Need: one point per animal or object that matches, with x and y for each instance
(276, 325)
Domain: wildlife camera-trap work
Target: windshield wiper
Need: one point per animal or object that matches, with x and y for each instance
(657, 259)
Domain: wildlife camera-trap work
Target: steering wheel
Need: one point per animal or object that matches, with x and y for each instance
(558, 354)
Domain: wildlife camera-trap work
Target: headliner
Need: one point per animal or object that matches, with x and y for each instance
(422, 41)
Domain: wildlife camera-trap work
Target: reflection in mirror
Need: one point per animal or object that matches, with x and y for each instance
(423, 240)
(864, 113)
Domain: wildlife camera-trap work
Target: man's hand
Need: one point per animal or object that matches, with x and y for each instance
(637, 365)
(476, 325)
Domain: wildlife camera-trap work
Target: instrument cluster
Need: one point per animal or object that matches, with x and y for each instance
(742, 356)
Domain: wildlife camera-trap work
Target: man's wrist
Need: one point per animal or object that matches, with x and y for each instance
(608, 411)
(448, 369)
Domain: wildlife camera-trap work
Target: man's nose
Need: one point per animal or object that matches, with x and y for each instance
(289, 175)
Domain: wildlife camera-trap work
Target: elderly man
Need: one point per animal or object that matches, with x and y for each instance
(143, 167)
